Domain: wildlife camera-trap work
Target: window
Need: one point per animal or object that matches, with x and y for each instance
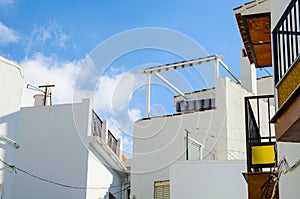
(162, 189)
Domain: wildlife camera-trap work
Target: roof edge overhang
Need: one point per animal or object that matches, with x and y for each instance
(254, 23)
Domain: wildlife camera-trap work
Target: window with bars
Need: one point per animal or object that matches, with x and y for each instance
(162, 189)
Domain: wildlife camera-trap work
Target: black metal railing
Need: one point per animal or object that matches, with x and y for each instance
(259, 131)
(286, 40)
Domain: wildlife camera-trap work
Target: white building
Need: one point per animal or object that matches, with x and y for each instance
(11, 75)
(213, 120)
(65, 151)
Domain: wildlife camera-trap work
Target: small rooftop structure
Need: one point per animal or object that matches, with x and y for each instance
(186, 98)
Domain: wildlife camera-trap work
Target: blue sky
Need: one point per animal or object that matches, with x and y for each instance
(52, 39)
(86, 24)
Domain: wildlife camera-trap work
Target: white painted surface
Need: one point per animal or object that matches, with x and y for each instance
(248, 74)
(39, 100)
(52, 149)
(254, 7)
(208, 180)
(11, 76)
(159, 142)
(265, 86)
(54, 146)
(100, 174)
(277, 9)
(289, 183)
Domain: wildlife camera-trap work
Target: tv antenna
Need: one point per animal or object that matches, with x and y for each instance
(46, 92)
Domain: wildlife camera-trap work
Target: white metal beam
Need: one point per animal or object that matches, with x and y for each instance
(183, 64)
(148, 95)
(228, 70)
(170, 84)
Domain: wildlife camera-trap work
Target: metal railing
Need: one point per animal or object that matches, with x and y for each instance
(97, 125)
(97, 130)
(286, 40)
(112, 142)
(259, 131)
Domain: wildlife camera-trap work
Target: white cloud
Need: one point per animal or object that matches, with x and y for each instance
(7, 35)
(115, 92)
(134, 114)
(49, 34)
(41, 70)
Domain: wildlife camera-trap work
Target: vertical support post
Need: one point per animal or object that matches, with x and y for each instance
(104, 132)
(148, 95)
(201, 153)
(216, 69)
(258, 119)
(187, 144)
(270, 134)
(118, 151)
(248, 147)
(45, 95)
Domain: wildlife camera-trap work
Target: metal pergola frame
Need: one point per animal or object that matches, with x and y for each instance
(180, 65)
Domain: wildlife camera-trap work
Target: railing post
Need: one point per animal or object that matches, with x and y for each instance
(104, 131)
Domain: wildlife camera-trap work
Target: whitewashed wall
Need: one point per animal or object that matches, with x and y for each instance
(265, 86)
(277, 9)
(289, 183)
(208, 180)
(159, 141)
(11, 76)
(101, 175)
(51, 148)
(54, 146)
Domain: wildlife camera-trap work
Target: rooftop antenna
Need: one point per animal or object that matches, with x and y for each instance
(46, 91)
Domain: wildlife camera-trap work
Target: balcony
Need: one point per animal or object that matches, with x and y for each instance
(260, 134)
(260, 145)
(99, 129)
(286, 51)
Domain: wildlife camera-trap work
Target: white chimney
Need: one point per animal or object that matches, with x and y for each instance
(248, 73)
(40, 98)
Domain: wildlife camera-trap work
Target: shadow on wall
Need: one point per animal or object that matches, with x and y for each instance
(9, 128)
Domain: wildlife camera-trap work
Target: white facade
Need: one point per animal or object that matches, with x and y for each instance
(56, 144)
(265, 86)
(208, 179)
(11, 76)
(248, 73)
(159, 142)
(288, 183)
